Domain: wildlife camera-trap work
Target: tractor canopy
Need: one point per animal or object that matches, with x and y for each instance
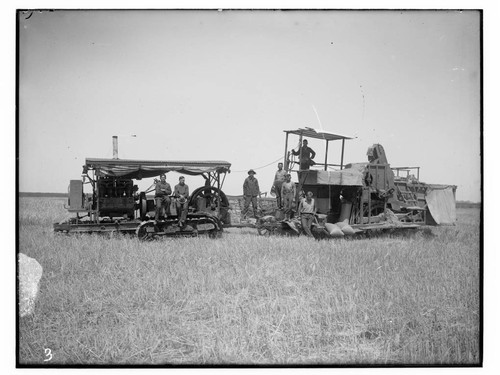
(139, 169)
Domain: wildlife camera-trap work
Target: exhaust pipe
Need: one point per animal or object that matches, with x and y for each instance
(115, 147)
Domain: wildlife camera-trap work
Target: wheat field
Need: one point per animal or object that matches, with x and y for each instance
(401, 299)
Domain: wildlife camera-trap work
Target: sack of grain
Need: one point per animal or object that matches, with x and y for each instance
(347, 229)
(342, 224)
(334, 230)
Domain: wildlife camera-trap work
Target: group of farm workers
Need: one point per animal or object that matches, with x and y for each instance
(163, 195)
(283, 187)
(285, 190)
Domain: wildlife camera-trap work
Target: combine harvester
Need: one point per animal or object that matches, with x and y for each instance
(369, 196)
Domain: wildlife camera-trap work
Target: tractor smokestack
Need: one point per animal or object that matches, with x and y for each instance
(115, 147)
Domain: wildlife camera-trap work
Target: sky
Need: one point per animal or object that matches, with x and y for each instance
(223, 85)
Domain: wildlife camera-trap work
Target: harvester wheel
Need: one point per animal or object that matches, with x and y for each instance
(264, 230)
(376, 209)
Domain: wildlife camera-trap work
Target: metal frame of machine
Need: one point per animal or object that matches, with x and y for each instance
(115, 205)
(369, 195)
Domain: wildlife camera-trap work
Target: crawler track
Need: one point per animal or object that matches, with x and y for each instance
(196, 224)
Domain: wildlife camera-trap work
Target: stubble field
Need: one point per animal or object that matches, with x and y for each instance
(243, 299)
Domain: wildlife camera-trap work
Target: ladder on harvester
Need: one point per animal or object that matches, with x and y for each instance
(410, 199)
(407, 194)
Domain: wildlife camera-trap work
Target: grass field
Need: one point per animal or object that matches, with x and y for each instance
(244, 299)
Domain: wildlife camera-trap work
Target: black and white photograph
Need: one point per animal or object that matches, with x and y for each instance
(274, 187)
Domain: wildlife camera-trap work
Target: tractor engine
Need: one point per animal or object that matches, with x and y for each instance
(115, 197)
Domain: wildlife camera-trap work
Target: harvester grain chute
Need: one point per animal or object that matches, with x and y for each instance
(365, 196)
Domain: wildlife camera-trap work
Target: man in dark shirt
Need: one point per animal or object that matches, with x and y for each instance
(307, 155)
(181, 194)
(251, 191)
(162, 197)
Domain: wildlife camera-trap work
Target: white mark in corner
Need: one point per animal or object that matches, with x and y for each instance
(48, 355)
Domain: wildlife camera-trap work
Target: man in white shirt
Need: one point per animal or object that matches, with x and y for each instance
(307, 209)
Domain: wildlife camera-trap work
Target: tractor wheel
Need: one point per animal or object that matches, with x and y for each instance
(146, 231)
(211, 194)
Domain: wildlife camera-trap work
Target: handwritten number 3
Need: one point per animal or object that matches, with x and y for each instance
(48, 354)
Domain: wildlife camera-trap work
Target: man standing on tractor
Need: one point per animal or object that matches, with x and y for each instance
(279, 178)
(306, 154)
(307, 209)
(181, 194)
(288, 195)
(251, 191)
(162, 197)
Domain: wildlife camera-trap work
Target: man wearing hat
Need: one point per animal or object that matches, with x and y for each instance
(162, 197)
(250, 192)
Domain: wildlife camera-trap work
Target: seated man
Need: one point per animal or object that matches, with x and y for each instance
(162, 197)
(181, 194)
(306, 154)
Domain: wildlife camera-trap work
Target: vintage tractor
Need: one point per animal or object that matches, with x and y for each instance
(369, 195)
(116, 205)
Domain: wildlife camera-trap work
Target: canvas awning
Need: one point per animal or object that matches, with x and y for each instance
(138, 169)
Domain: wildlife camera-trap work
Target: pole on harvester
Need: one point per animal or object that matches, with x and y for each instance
(285, 158)
(301, 151)
(342, 155)
(326, 155)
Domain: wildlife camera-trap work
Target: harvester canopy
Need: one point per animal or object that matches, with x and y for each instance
(138, 169)
(318, 134)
